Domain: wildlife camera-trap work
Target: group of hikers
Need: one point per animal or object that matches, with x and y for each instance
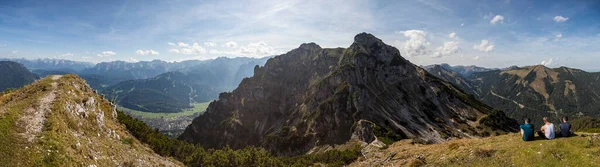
(547, 131)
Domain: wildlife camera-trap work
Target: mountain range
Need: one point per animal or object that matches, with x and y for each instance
(532, 91)
(51, 64)
(313, 97)
(175, 91)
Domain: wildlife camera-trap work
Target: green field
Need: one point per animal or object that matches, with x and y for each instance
(198, 108)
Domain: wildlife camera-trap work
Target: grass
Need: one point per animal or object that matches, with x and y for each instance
(198, 108)
(14, 150)
(503, 150)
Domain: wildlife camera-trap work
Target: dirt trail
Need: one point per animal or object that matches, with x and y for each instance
(33, 119)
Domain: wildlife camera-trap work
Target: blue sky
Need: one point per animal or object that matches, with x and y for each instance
(487, 33)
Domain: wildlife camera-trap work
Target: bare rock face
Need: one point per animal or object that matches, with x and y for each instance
(312, 96)
(363, 131)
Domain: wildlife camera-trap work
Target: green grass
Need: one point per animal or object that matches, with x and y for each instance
(198, 108)
(503, 150)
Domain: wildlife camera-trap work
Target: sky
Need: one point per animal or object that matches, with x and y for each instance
(489, 33)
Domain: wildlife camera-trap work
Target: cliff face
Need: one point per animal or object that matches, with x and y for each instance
(312, 96)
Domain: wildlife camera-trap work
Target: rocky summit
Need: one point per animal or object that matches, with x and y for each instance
(312, 97)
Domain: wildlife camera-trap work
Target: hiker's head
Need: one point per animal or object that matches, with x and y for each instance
(546, 120)
(565, 119)
(527, 120)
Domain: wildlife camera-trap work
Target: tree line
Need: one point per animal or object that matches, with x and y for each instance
(195, 155)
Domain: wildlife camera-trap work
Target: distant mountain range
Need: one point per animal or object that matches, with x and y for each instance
(51, 64)
(463, 70)
(532, 91)
(313, 97)
(175, 91)
(14, 75)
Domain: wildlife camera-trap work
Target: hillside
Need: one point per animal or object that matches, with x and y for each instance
(312, 97)
(14, 75)
(503, 150)
(61, 121)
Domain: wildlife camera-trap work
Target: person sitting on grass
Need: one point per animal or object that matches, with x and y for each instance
(565, 128)
(547, 130)
(527, 130)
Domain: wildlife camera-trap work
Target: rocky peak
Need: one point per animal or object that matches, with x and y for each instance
(309, 98)
(310, 46)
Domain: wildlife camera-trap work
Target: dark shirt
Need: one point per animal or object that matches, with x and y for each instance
(565, 129)
(528, 132)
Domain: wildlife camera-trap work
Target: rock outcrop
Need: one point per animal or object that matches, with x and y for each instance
(313, 96)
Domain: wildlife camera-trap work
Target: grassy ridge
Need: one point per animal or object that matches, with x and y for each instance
(198, 108)
(504, 150)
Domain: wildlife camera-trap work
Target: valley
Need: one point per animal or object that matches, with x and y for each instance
(171, 124)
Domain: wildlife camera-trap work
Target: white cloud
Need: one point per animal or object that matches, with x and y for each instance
(448, 49)
(146, 52)
(106, 54)
(231, 44)
(560, 19)
(485, 46)
(462, 24)
(15, 51)
(546, 63)
(67, 55)
(452, 35)
(558, 37)
(171, 43)
(210, 44)
(417, 44)
(476, 58)
(131, 59)
(187, 49)
(181, 44)
(258, 49)
(497, 18)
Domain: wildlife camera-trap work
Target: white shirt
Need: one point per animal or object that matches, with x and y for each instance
(549, 131)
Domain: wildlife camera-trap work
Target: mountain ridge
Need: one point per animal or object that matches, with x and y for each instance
(318, 95)
(59, 120)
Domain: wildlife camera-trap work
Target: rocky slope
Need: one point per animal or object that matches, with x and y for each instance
(61, 121)
(311, 97)
(14, 75)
